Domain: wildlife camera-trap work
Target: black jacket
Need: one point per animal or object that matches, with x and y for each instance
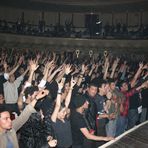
(90, 113)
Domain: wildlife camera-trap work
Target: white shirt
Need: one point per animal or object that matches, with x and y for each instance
(11, 90)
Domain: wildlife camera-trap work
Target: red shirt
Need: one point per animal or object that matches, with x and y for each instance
(126, 102)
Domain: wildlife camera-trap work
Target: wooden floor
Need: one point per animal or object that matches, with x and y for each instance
(137, 137)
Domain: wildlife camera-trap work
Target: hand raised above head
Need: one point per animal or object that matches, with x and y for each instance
(33, 65)
(141, 65)
(42, 93)
(61, 83)
(20, 60)
(68, 69)
(72, 83)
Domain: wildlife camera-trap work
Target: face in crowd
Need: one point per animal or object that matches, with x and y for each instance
(62, 113)
(21, 71)
(1, 99)
(5, 121)
(112, 86)
(104, 89)
(92, 90)
(11, 78)
(124, 87)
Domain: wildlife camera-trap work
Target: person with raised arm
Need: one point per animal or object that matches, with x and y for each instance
(8, 128)
(60, 117)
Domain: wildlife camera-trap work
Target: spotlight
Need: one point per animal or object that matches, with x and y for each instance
(99, 22)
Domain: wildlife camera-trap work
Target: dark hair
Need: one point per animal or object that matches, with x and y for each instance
(3, 108)
(79, 100)
(101, 82)
(93, 84)
(30, 90)
(121, 83)
(111, 81)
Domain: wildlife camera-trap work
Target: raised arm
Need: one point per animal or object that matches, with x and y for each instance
(106, 68)
(16, 67)
(58, 101)
(92, 69)
(29, 109)
(115, 64)
(46, 70)
(133, 82)
(81, 74)
(67, 69)
(59, 69)
(33, 68)
(68, 97)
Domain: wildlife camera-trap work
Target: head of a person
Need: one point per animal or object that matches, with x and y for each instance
(1, 98)
(67, 84)
(114, 96)
(62, 112)
(81, 102)
(103, 87)
(12, 78)
(92, 89)
(30, 92)
(112, 84)
(21, 70)
(87, 71)
(5, 120)
(123, 86)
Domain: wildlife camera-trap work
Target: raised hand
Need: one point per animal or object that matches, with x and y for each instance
(72, 83)
(38, 56)
(49, 64)
(61, 84)
(68, 69)
(42, 93)
(21, 60)
(60, 68)
(84, 68)
(116, 62)
(5, 65)
(33, 65)
(141, 65)
(93, 66)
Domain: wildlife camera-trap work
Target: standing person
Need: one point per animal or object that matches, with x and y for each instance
(111, 109)
(91, 112)
(144, 114)
(11, 91)
(79, 127)
(60, 117)
(123, 122)
(102, 115)
(5, 77)
(135, 99)
(8, 128)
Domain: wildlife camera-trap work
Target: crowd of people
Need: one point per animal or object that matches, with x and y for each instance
(63, 100)
(94, 30)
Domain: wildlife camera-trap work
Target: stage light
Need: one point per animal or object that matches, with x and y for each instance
(99, 22)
